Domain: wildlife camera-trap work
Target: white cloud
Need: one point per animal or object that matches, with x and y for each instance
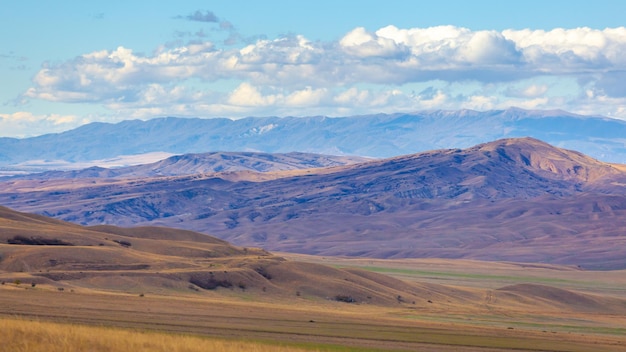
(362, 44)
(530, 91)
(247, 95)
(388, 56)
(26, 116)
(18, 116)
(282, 75)
(26, 124)
(352, 96)
(489, 48)
(305, 97)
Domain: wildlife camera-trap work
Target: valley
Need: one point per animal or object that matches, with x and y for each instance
(509, 245)
(282, 176)
(176, 281)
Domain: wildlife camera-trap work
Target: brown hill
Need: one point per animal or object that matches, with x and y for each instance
(557, 297)
(54, 255)
(206, 163)
(151, 259)
(513, 199)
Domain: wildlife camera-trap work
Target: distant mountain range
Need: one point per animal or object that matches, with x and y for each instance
(379, 136)
(509, 200)
(205, 163)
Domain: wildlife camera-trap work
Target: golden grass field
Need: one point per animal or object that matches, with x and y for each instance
(307, 323)
(164, 289)
(43, 336)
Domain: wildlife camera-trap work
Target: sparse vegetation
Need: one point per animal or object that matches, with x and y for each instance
(263, 272)
(37, 241)
(345, 298)
(211, 283)
(123, 243)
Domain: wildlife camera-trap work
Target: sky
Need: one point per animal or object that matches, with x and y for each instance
(67, 63)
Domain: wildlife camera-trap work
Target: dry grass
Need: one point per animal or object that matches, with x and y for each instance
(160, 283)
(313, 325)
(34, 336)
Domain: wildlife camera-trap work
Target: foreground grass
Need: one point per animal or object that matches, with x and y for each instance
(20, 335)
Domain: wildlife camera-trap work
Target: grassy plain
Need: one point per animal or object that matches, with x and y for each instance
(21, 335)
(482, 274)
(232, 320)
(159, 284)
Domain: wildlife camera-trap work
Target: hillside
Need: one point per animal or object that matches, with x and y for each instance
(508, 200)
(57, 256)
(203, 163)
(379, 136)
(48, 252)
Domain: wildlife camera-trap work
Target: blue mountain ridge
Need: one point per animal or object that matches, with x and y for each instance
(379, 135)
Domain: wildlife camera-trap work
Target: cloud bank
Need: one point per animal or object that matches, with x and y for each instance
(391, 69)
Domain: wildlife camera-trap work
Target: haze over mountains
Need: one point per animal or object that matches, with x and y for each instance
(370, 136)
(514, 200)
(202, 163)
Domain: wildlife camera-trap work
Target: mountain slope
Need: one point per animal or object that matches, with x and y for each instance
(371, 136)
(203, 163)
(149, 259)
(513, 199)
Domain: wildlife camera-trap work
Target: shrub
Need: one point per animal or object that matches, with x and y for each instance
(345, 298)
(261, 270)
(38, 241)
(211, 284)
(123, 243)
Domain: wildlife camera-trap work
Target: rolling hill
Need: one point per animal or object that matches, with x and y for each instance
(203, 163)
(509, 200)
(54, 255)
(49, 252)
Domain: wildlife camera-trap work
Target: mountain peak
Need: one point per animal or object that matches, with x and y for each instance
(543, 157)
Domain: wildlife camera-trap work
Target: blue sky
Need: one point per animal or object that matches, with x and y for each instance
(67, 63)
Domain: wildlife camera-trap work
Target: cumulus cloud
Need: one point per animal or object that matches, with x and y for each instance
(362, 44)
(289, 72)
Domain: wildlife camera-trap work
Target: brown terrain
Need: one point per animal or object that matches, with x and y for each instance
(202, 163)
(510, 200)
(186, 282)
